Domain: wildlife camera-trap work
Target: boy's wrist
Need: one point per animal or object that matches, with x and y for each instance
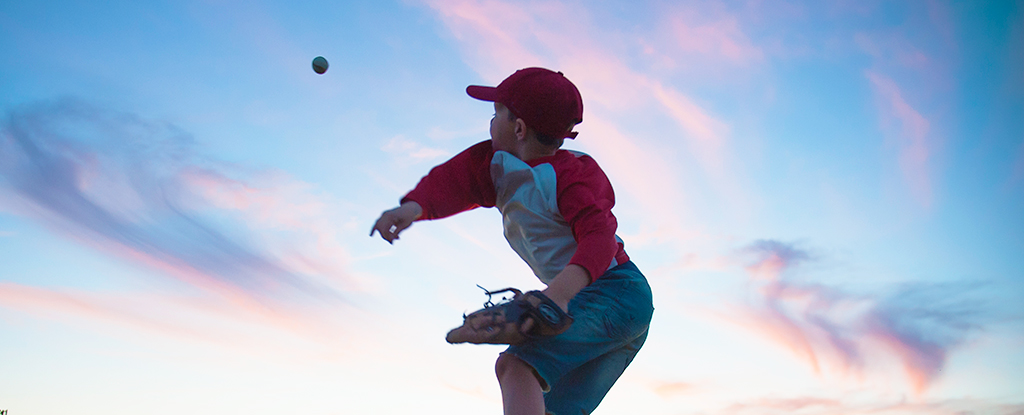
(413, 208)
(567, 284)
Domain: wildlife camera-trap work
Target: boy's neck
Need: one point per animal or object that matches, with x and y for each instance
(532, 150)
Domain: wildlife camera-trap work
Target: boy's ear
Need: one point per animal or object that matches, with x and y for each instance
(521, 129)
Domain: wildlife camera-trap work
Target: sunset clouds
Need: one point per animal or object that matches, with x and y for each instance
(825, 197)
(833, 330)
(914, 144)
(499, 38)
(136, 189)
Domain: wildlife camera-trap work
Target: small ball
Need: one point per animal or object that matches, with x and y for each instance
(319, 65)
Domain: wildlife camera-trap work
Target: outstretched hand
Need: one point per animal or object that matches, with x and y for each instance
(394, 221)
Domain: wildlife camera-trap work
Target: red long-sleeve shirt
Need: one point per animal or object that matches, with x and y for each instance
(584, 196)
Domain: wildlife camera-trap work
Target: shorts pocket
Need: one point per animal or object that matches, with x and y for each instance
(630, 314)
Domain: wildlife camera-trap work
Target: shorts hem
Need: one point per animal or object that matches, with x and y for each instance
(544, 384)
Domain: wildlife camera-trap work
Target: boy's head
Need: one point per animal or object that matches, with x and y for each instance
(546, 101)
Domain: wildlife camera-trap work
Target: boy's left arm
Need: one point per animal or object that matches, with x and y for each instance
(585, 199)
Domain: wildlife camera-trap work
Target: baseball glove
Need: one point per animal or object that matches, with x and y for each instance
(506, 322)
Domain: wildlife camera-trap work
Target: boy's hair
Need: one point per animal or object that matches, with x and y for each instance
(545, 139)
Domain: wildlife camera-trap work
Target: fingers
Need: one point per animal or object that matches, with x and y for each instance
(526, 326)
(492, 321)
(394, 221)
(400, 226)
(390, 225)
(384, 229)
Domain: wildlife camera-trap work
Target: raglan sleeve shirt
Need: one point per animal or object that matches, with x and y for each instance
(457, 185)
(585, 199)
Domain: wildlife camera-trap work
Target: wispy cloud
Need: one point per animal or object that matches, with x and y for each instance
(721, 37)
(407, 149)
(915, 145)
(499, 37)
(818, 406)
(136, 189)
(893, 51)
(487, 23)
(772, 258)
(918, 325)
(91, 306)
(911, 74)
(671, 389)
(788, 406)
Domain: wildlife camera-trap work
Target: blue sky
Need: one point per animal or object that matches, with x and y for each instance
(825, 196)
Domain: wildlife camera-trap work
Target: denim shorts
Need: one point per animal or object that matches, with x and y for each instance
(578, 367)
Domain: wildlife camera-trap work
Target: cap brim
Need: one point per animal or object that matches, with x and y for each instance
(483, 93)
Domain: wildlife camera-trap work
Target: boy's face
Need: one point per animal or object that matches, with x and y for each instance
(503, 131)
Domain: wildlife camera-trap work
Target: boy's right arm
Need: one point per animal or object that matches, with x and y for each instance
(394, 221)
(459, 184)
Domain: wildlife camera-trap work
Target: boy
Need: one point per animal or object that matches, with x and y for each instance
(556, 209)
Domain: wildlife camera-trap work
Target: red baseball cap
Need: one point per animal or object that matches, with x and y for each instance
(546, 100)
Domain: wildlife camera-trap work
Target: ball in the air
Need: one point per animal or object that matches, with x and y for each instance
(319, 64)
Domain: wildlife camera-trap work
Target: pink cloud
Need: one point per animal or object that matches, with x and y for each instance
(777, 326)
(235, 323)
(669, 389)
(134, 189)
(825, 406)
(707, 133)
(305, 235)
(773, 257)
(99, 307)
(788, 406)
(921, 361)
(483, 27)
(893, 51)
(830, 329)
(911, 76)
(722, 38)
(500, 37)
(768, 268)
(911, 129)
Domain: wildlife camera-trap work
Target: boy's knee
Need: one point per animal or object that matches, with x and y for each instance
(510, 368)
(507, 363)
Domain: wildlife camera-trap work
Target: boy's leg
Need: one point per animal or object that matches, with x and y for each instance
(583, 388)
(612, 316)
(521, 393)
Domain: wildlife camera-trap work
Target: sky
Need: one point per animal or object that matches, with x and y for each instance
(825, 196)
